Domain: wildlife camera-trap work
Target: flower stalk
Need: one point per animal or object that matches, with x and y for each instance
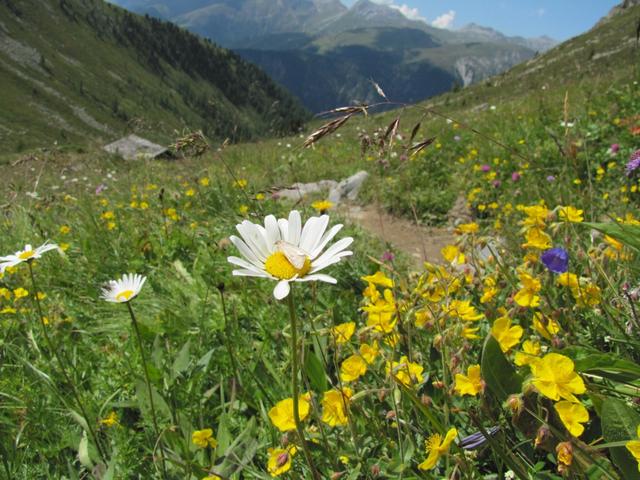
(295, 387)
(148, 382)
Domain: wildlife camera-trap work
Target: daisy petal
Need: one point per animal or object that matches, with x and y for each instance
(273, 231)
(282, 289)
(312, 232)
(295, 228)
(333, 250)
(324, 240)
(330, 261)
(249, 273)
(245, 251)
(319, 277)
(241, 262)
(253, 239)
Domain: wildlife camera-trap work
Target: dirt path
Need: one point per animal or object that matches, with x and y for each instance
(421, 243)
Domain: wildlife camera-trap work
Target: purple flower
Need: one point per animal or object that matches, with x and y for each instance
(633, 164)
(388, 256)
(496, 183)
(485, 168)
(100, 188)
(476, 440)
(556, 260)
(515, 176)
(551, 179)
(614, 148)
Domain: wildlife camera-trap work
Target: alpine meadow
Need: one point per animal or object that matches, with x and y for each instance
(310, 239)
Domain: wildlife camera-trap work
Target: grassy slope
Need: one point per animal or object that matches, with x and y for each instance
(81, 58)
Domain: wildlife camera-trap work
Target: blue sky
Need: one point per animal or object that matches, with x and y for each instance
(560, 19)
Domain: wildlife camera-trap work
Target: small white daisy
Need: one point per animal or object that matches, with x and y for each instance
(123, 290)
(25, 255)
(285, 251)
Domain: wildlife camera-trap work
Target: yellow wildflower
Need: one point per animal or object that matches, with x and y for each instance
(204, 438)
(343, 332)
(587, 295)
(20, 293)
(280, 460)
(65, 229)
(452, 254)
(470, 333)
(506, 335)
(536, 216)
(322, 205)
(352, 368)
(405, 372)
(527, 295)
(5, 293)
(467, 228)
(334, 405)
(489, 290)
(545, 326)
(436, 447)
(281, 414)
(369, 352)
(372, 293)
(530, 353)
(463, 310)
(190, 192)
(573, 415)
(469, 384)
(110, 420)
(204, 181)
(537, 238)
(240, 183)
(382, 315)
(554, 377)
(380, 279)
(571, 214)
(568, 280)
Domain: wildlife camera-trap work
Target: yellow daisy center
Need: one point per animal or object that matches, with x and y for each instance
(125, 295)
(278, 266)
(26, 255)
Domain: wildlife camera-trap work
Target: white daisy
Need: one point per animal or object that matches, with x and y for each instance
(285, 251)
(25, 255)
(123, 290)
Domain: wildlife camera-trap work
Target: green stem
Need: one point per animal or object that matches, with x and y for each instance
(148, 381)
(295, 388)
(61, 364)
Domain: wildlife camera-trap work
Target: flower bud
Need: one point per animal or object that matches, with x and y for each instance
(375, 470)
(542, 436)
(564, 450)
(515, 404)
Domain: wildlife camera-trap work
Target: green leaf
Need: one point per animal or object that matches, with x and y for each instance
(142, 397)
(627, 234)
(315, 371)
(620, 422)
(83, 452)
(181, 363)
(499, 375)
(609, 366)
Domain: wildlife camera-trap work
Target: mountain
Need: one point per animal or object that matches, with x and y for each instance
(328, 55)
(73, 70)
(477, 33)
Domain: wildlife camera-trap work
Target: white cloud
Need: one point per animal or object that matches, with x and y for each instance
(445, 20)
(406, 10)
